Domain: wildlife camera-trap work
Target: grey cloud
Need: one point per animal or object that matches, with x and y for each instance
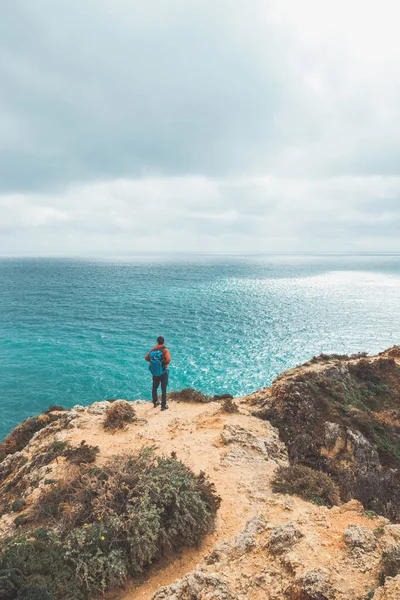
(133, 215)
(96, 94)
(193, 125)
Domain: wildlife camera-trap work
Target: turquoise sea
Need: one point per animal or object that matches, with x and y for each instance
(76, 331)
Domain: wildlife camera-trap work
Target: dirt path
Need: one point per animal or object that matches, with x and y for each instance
(193, 431)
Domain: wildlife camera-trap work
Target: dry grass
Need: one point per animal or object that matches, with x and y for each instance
(118, 415)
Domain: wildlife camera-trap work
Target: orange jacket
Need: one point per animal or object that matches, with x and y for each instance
(166, 354)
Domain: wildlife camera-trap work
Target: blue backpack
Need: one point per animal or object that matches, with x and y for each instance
(156, 362)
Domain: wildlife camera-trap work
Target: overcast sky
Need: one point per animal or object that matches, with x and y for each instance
(199, 125)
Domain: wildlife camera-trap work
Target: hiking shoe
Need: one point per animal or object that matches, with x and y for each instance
(164, 407)
(155, 404)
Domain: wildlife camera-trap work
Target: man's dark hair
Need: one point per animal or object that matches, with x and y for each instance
(160, 339)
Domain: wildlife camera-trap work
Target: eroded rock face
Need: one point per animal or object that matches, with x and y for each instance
(389, 591)
(341, 415)
(345, 444)
(284, 537)
(356, 536)
(9, 464)
(268, 447)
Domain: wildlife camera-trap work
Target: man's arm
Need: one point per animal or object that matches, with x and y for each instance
(166, 357)
(147, 357)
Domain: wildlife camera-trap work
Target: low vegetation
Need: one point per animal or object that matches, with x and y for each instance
(229, 406)
(101, 525)
(118, 415)
(306, 483)
(84, 453)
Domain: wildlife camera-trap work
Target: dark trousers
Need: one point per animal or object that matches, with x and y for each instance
(163, 379)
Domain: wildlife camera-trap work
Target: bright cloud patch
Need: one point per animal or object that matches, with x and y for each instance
(248, 125)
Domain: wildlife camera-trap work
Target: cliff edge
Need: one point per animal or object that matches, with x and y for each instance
(296, 490)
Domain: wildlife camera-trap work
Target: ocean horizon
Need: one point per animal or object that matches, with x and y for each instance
(75, 330)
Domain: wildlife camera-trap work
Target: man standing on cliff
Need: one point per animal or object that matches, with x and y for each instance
(159, 359)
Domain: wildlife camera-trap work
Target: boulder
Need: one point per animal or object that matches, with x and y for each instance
(356, 536)
(313, 585)
(284, 537)
(197, 584)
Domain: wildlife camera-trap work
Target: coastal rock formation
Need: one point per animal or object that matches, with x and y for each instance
(336, 415)
(390, 590)
(341, 415)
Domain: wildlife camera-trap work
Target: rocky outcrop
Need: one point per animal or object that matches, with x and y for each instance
(341, 415)
(284, 537)
(360, 537)
(297, 560)
(246, 444)
(197, 585)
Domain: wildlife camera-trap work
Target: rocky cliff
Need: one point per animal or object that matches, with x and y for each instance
(302, 477)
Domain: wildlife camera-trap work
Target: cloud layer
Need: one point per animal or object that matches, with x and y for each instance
(236, 126)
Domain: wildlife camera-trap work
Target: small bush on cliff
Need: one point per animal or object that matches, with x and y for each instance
(116, 520)
(306, 483)
(188, 395)
(84, 453)
(53, 451)
(229, 406)
(118, 415)
(218, 397)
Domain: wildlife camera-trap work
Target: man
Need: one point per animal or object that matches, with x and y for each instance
(159, 359)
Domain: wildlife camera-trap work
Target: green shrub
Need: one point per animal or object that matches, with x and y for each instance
(35, 592)
(118, 415)
(390, 563)
(20, 520)
(84, 453)
(116, 520)
(188, 395)
(98, 563)
(306, 483)
(41, 533)
(18, 505)
(24, 563)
